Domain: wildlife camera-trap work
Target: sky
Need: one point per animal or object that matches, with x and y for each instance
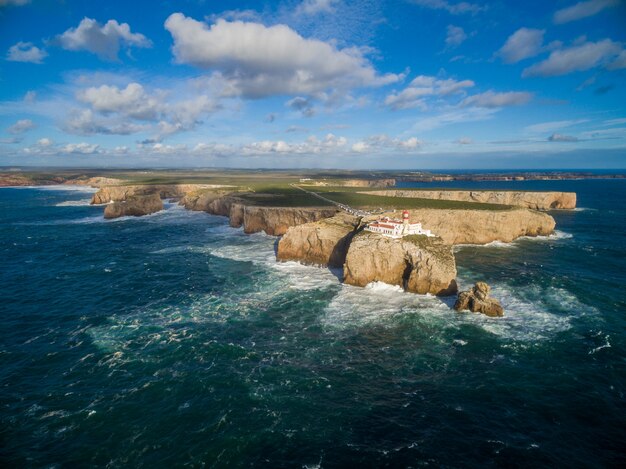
(361, 84)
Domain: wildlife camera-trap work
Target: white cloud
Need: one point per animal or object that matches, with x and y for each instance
(26, 52)
(258, 61)
(582, 10)
(303, 105)
(312, 145)
(30, 96)
(455, 36)
(492, 99)
(80, 148)
(44, 142)
(382, 142)
(314, 7)
(423, 87)
(21, 126)
(553, 125)
(619, 63)
(84, 122)
(453, 8)
(561, 138)
(132, 101)
(522, 44)
(104, 41)
(619, 121)
(577, 58)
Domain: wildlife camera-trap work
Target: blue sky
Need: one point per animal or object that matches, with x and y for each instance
(416, 84)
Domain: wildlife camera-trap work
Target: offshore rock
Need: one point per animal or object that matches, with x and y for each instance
(276, 221)
(323, 243)
(134, 206)
(416, 263)
(483, 226)
(532, 200)
(477, 300)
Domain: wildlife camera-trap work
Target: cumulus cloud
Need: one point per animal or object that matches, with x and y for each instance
(423, 87)
(455, 36)
(85, 122)
(80, 148)
(26, 52)
(315, 7)
(522, 44)
(44, 142)
(582, 10)
(104, 41)
(576, 58)
(21, 126)
(312, 145)
(451, 7)
(492, 99)
(302, 105)
(258, 61)
(132, 101)
(382, 142)
(619, 63)
(561, 138)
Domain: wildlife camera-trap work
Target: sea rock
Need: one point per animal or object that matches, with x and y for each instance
(135, 206)
(483, 226)
(532, 200)
(323, 242)
(277, 220)
(477, 300)
(417, 263)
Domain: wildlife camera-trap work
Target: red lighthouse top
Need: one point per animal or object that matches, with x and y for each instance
(405, 215)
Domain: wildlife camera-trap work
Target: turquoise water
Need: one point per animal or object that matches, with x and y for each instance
(174, 340)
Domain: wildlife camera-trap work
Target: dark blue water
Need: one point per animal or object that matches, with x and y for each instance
(175, 340)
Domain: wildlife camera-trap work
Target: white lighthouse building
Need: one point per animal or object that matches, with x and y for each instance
(394, 228)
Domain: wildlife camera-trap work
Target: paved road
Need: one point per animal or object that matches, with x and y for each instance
(344, 207)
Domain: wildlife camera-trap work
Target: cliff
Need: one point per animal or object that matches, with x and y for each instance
(483, 226)
(165, 191)
(324, 242)
(416, 263)
(135, 206)
(532, 200)
(277, 220)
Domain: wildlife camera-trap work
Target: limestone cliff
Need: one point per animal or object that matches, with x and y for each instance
(323, 242)
(215, 202)
(135, 206)
(277, 220)
(483, 226)
(118, 193)
(416, 263)
(532, 200)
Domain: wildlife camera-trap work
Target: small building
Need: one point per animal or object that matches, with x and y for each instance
(394, 228)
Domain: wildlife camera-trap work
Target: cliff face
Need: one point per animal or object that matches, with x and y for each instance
(277, 220)
(532, 200)
(416, 263)
(324, 242)
(483, 226)
(119, 193)
(367, 183)
(213, 202)
(135, 206)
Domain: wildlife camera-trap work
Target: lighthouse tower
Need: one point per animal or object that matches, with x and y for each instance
(405, 222)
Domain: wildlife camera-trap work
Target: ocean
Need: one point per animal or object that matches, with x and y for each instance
(174, 340)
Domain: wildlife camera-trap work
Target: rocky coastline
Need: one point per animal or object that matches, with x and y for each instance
(326, 236)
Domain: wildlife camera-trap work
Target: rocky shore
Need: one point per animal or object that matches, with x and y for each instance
(325, 236)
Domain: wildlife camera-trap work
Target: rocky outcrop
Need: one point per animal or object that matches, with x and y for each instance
(483, 226)
(277, 220)
(165, 191)
(97, 181)
(416, 263)
(477, 300)
(532, 200)
(323, 243)
(134, 206)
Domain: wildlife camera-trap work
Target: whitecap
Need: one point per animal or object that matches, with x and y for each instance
(74, 203)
